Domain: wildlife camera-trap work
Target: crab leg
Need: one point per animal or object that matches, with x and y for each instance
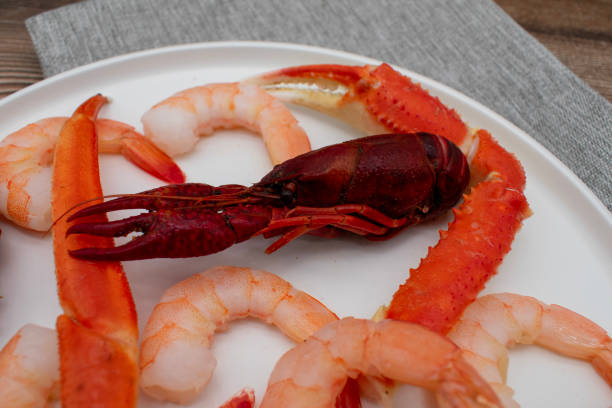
(379, 99)
(454, 271)
(98, 331)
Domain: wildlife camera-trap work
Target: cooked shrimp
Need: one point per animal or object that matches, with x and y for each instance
(29, 368)
(174, 124)
(315, 371)
(175, 357)
(495, 322)
(26, 159)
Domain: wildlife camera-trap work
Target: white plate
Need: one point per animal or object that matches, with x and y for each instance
(561, 255)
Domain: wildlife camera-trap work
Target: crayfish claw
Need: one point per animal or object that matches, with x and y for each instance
(119, 228)
(138, 248)
(123, 203)
(175, 233)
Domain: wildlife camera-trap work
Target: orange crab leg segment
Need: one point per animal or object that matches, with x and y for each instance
(447, 280)
(454, 271)
(98, 331)
(372, 99)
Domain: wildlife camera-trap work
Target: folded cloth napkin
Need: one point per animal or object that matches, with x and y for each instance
(470, 45)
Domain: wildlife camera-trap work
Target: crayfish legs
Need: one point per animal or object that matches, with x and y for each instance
(377, 99)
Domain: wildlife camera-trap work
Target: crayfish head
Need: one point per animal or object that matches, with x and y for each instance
(280, 192)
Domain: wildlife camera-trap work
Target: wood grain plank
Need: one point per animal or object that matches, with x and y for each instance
(578, 33)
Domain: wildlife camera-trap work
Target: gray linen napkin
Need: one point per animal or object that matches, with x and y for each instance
(470, 45)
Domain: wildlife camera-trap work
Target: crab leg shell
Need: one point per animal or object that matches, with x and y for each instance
(98, 331)
(447, 280)
(371, 99)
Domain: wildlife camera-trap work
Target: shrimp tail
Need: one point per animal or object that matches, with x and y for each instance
(118, 137)
(468, 390)
(144, 154)
(603, 364)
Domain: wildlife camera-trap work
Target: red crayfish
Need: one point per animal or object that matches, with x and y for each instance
(373, 186)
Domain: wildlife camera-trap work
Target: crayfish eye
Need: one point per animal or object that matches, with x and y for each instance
(288, 193)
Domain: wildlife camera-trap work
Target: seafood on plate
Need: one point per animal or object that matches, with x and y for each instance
(29, 368)
(372, 186)
(375, 99)
(496, 322)
(380, 99)
(26, 161)
(176, 123)
(175, 357)
(98, 333)
(314, 372)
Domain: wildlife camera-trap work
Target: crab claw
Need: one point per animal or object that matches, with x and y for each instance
(371, 99)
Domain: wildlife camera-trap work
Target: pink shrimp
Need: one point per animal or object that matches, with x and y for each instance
(29, 368)
(26, 159)
(313, 372)
(175, 123)
(495, 322)
(178, 335)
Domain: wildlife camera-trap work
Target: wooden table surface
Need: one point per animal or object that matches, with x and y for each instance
(578, 32)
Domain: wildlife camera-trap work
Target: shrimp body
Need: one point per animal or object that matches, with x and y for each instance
(175, 357)
(314, 372)
(26, 161)
(493, 323)
(175, 123)
(29, 368)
